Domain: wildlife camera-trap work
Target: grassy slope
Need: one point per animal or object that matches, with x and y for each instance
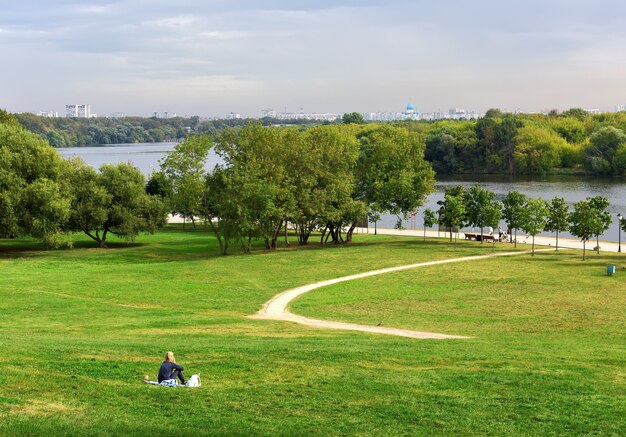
(79, 329)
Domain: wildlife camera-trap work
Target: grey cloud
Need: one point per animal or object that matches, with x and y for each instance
(333, 55)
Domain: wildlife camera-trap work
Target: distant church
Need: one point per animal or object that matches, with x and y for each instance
(410, 113)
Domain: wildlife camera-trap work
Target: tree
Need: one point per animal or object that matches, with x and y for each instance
(536, 150)
(512, 211)
(602, 149)
(584, 222)
(557, 217)
(112, 201)
(352, 118)
(184, 172)
(452, 212)
(600, 205)
(33, 201)
(430, 220)
(534, 214)
(392, 175)
(482, 208)
(256, 164)
(577, 113)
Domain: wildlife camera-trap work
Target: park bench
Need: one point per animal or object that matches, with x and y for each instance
(478, 237)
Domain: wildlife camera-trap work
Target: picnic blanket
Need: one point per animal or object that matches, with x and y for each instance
(194, 381)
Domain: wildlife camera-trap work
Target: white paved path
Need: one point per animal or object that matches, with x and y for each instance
(276, 308)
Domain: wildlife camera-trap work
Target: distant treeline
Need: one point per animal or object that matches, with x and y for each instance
(571, 142)
(78, 132)
(499, 143)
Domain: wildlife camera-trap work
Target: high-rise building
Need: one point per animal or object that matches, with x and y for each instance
(78, 111)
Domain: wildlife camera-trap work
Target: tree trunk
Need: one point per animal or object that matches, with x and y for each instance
(287, 233)
(583, 250)
(103, 239)
(557, 240)
(533, 248)
(482, 240)
(276, 234)
(515, 239)
(220, 239)
(350, 232)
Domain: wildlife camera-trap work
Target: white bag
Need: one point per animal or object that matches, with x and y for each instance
(194, 381)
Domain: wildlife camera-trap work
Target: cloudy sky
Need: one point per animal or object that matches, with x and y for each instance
(211, 57)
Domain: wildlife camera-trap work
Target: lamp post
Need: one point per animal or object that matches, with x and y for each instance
(619, 231)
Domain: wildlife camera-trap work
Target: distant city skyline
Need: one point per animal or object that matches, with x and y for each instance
(212, 58)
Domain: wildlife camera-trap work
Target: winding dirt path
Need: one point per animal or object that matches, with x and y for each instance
(276, 308)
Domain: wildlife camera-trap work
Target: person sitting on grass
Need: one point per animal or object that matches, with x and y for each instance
(170, 370)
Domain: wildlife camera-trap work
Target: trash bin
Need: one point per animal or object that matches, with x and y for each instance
(610, 270)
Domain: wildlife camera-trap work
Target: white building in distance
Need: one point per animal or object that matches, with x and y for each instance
(49, 114)
(78, 111)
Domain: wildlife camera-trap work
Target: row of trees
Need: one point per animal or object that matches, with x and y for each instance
(478, 207)
(325, 178)
(75, 132)
(497, 143)
(46, 197)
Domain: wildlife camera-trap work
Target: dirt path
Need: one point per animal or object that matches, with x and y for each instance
(276, 308)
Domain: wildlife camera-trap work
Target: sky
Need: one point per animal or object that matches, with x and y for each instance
(213, 57)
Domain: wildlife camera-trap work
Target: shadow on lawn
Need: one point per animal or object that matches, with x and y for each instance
(177, 244)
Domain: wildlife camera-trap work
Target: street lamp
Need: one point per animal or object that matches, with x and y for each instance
(619, 231)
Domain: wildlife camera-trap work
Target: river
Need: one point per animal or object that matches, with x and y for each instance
(146, 156)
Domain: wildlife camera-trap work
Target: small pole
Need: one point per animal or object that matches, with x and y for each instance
(619, 231)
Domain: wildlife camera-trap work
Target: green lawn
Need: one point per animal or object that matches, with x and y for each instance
(80, 328)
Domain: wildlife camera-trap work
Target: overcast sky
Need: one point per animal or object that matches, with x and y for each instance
(211, 57)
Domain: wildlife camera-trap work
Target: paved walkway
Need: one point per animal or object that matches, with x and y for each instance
(570, 243)
(276, 308)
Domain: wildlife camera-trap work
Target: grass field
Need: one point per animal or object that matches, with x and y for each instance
(80, 328)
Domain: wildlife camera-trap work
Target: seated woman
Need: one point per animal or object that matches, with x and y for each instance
(170, 370)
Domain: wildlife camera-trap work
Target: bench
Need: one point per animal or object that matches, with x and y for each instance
(478, 237)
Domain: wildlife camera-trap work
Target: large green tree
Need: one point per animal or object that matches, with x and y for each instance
(604, 144)
(32, 197)
(256, 159)
(183, 169)
(112, 201)
(537, 150)
(392, 175)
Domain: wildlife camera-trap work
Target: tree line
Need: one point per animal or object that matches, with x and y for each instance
(273, 181)
(517, 144)
(46, 197)
(503, 143)
(77, 132)
(478, 207)
(323, 179)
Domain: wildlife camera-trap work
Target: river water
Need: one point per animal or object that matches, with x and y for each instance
(146, 156)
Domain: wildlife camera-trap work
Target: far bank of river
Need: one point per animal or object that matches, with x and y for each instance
(146, 156)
